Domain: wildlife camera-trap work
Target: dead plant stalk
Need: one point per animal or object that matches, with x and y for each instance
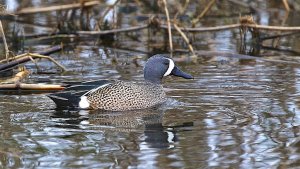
(169, 25)
(4, 41)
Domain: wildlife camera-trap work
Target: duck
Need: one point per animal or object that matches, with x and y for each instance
(117, 95)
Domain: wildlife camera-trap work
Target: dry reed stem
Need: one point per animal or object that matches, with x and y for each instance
(4, 41)
(169, 26)
(232, 26)
(185, 38)
(206, 9)
(13, 58)
(286, 5)
(32, 10)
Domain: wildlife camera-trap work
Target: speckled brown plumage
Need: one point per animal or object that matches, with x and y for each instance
(120, 96)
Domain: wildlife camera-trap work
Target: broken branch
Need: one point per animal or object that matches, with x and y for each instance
(27, 57)
(56, 8)
(18, 77)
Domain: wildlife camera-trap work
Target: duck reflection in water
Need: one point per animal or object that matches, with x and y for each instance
(149, 121)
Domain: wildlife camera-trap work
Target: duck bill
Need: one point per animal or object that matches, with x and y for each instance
(177, 72)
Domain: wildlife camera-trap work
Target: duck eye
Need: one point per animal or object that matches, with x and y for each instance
(166, 63)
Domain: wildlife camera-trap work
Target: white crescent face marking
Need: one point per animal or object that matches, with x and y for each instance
(170, 68)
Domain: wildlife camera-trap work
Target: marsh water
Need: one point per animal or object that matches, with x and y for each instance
(235, 113)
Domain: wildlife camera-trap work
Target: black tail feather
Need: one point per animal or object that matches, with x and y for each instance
(65, 99)
(70, 97)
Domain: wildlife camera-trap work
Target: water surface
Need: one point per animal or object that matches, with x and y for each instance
(235, 113)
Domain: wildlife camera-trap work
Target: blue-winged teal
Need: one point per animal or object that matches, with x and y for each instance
(120, 95)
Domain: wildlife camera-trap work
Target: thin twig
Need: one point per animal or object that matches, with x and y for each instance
(48, 51)
(206, 29)
(232, 26)
(27, 57)
(13, 58)
(274, 28)
(134, 28)
(35, 63)
(35, 55)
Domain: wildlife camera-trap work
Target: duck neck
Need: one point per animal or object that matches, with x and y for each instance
(153, 80)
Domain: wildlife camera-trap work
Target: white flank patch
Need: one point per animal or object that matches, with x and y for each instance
(170, 68)
(84, 122)
(84, 102)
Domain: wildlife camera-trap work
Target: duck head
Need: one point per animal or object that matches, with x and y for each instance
(159, 66)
